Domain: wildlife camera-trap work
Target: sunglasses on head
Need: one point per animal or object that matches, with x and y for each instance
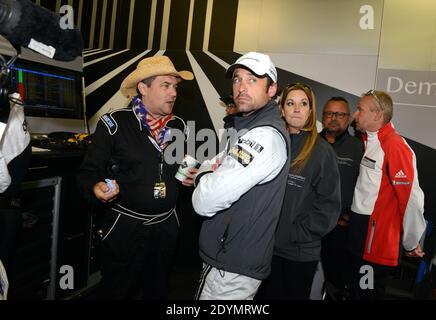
(372, 93)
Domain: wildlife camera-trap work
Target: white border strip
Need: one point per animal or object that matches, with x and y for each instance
(129, 30)
(218, 60)
(189, 31)
(152, 23)
(79, 15)
(95, 52)
(210, 95)
(58, 7)
(207, 25)
(415, 105)
(87, 50)
(93, 19)
(165, 24)
(90, 63)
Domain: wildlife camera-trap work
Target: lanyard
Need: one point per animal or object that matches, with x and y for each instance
(161, 162)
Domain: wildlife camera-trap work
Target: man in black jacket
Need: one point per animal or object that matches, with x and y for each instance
(349, 152)
(125, 168)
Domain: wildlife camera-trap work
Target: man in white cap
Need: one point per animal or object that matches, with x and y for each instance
(241, 190)
(125, 169)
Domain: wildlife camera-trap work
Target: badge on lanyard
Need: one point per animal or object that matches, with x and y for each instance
(160, 189)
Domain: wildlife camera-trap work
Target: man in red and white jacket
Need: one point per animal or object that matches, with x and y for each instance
(388, 203)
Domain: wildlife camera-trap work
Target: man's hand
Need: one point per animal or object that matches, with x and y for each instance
(417, 252)
(344, 220)
(101, 191)
(190, 177)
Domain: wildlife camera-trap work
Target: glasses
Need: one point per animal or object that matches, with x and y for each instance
(339, 115)
(372, 93)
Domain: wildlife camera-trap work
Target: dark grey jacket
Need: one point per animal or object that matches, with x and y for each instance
(312, 203)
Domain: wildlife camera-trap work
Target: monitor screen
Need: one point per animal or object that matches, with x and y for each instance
(47, 91)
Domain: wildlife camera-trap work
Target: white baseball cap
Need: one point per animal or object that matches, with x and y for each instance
(258, 63)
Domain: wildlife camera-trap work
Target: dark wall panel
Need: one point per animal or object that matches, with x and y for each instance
(86, 22)
(198, 21)
(76, 11)
(107, 34)
(49, 4)
(223, 25)
(122, 24)
(158, 24)
(97, 54)
(141, 24)
(98, 18)
(178, 25)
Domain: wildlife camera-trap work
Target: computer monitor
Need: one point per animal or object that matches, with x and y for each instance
(48, 91)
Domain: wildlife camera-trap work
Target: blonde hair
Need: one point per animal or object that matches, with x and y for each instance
(383, 102)
(310, 126)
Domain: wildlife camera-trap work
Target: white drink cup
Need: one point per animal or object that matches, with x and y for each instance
(187, 164)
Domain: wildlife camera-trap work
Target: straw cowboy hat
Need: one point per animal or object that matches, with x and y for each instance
(150, 67)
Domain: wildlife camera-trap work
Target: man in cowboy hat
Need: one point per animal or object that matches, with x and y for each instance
(125, 168)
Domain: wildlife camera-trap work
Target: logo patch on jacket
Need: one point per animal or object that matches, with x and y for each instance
(253, 144)
(241, 155)
(400, 175)
(110, 123)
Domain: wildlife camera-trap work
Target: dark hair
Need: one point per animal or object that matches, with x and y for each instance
(147, 82)
(338, 99)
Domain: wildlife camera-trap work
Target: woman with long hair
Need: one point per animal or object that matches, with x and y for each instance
(312, 201)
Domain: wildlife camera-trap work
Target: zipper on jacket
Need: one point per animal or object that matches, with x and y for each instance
(371, 236)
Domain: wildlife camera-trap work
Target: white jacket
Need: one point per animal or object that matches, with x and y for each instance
(234, 177)
(14, 140)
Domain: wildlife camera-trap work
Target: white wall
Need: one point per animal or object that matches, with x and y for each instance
(322, 40)
(313, 26)
(408, 53)
(408, 38)
(318, 39)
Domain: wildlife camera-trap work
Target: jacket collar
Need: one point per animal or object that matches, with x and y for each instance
(238, 121)
(339, 139)
(384, 131)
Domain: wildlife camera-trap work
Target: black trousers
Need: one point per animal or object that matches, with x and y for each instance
(359, 289)
(289, 280)
(335, 259)
(10, 227)
(137, 259)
